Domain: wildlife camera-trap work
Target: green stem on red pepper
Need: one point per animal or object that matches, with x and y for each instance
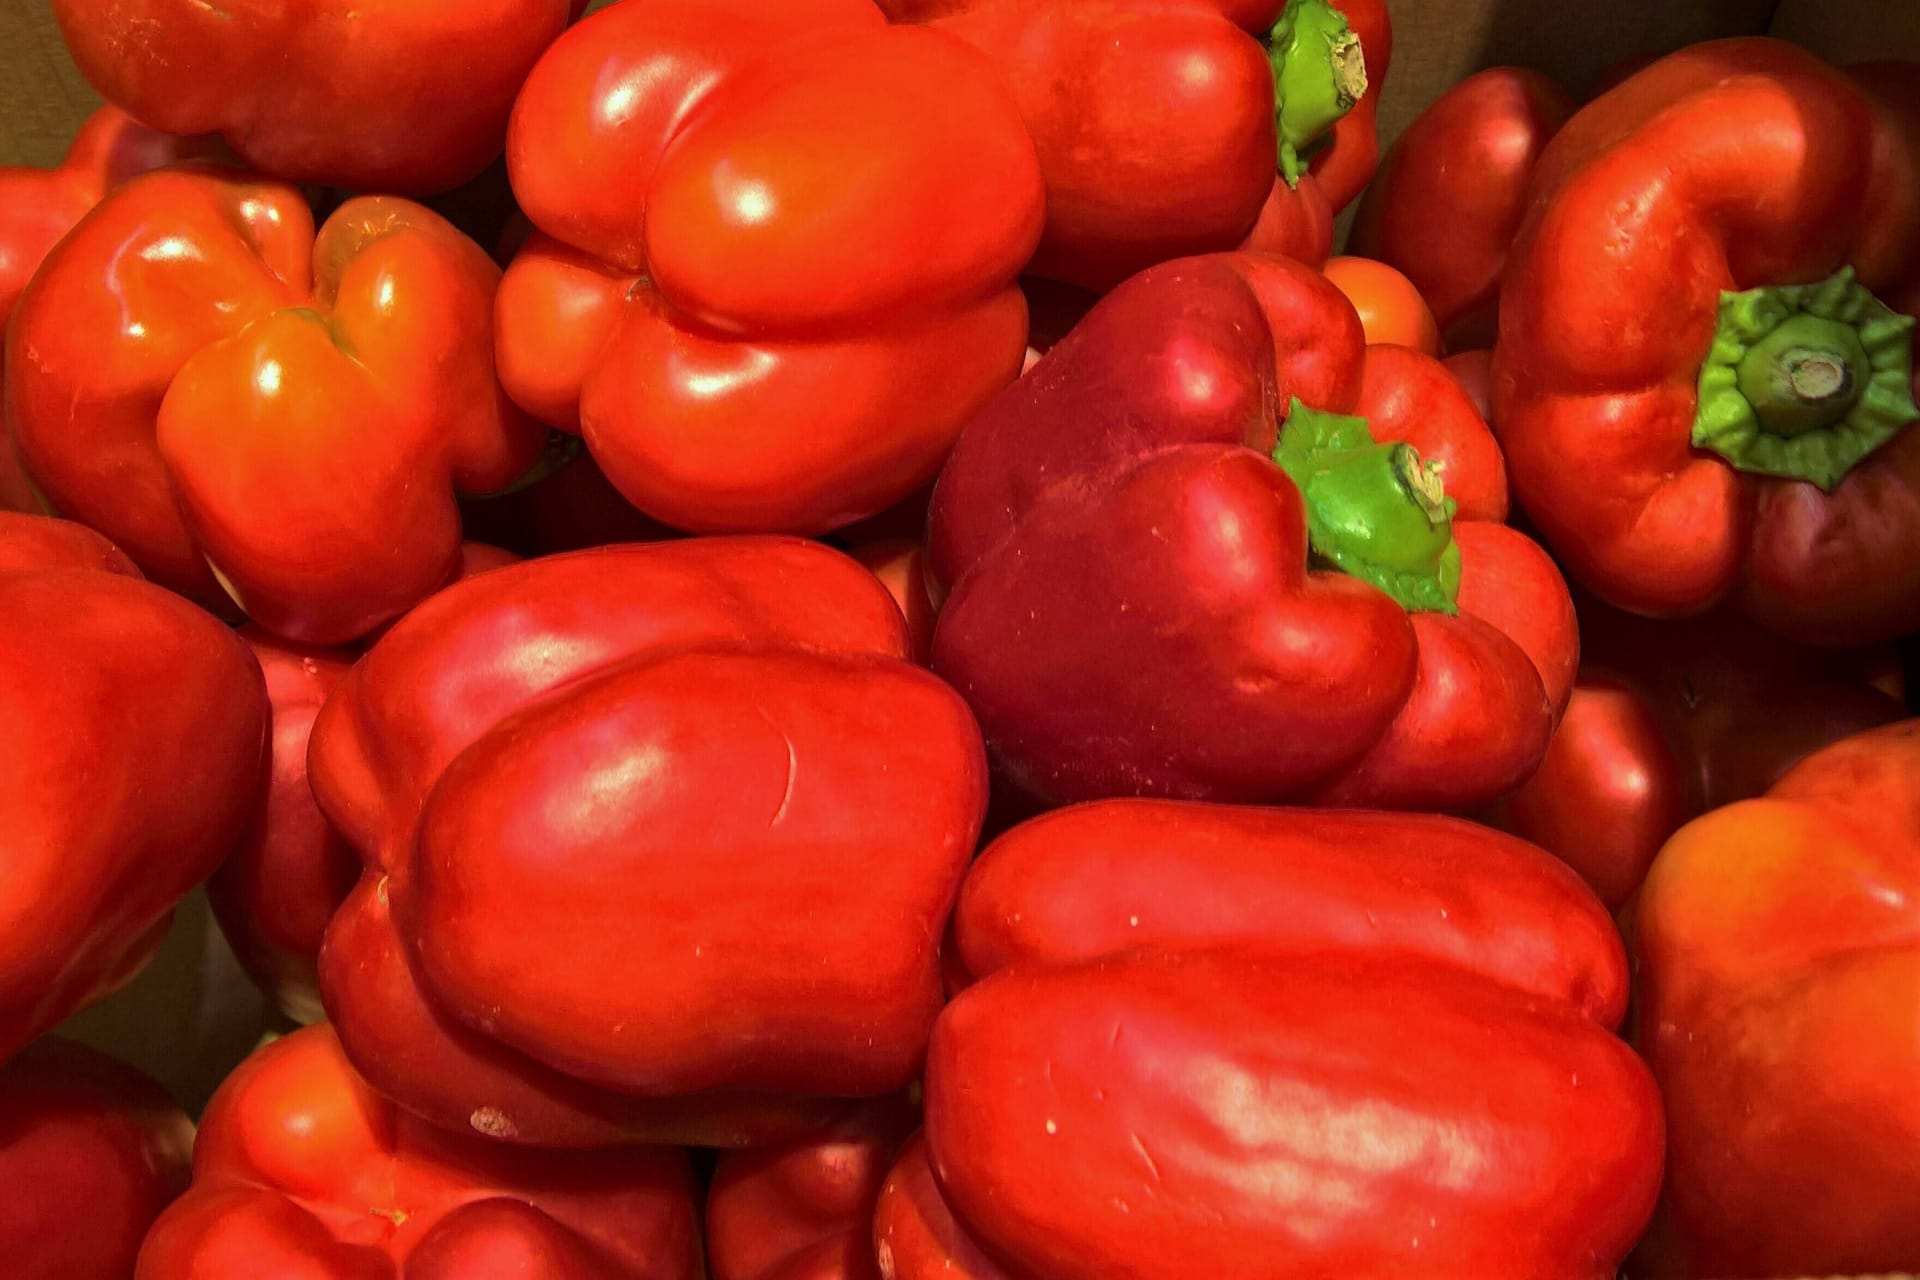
(1319, 73)
(557, 453)
(1374, 511)
(1803, 381)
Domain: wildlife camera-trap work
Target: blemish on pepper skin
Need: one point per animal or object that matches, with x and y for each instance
(493, 1122)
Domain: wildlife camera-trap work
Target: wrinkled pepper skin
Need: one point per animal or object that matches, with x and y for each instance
(276, 893)
(721, 737)
(1131, 608)
(1668, 437)
(92, 1152)
(1783, 1021)
(133, 753)
(1155, 123)
(1452, 192)
(256, 411)
(38, 206)
(411, 99)
(1672, 719)
(302, 1170)
(782, 349)
(804, 1210)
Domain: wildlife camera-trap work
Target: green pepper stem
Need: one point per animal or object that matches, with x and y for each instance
(1319, 74)
(1375, 510)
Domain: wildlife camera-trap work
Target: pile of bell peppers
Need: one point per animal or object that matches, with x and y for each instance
(829, 641)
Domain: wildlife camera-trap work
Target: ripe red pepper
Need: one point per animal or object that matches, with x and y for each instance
(303, 1170)
(721, 737)
(1783, 1021)
(1452, 191)
(134, 741)
(93, 1151)
(38, 206)
(1672, 719)
(1704, 377)
(1218, 1000)
(915, 1236)
(804, 1210)
(276, 893)
(1168, 129)
(1142, 602)
(791, 344)
(256, 411)
(404, 98)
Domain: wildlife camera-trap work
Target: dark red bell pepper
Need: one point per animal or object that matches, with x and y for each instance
(133, 746)
(1142, 601)
(1704, 379)
(90, 1152)
(1452, 191)
(708, 761)
(1191, 126)
(302, 1170)
(1672, 719)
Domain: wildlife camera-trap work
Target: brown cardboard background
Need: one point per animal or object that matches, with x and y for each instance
(191, 1015)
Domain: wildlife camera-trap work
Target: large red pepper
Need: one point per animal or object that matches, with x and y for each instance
(1452, 191)
(276, 893)
(130, 759)
(256, 411)
(90, 1152)
(1143, 602)
(706, 761)
(303, 1170)
(1187, 1054)
(38, 206)
(1168, 129)
(775, 265)
(804, 1210)
(1704, 379)
(409, 98)
(1783, 1021)
(1672, 719)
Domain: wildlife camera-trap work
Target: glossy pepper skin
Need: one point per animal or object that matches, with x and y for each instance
(1704, 374)
(1218, 998)
(93, 1152)
(1158, 127)
(302, 1170)
(790, 345)
(709, 761)
(1131, 607)
(804, 1210)
(256, 411)
(1390, 306)
(407, 98)
(1783, 1021)
(1672, 719)
(1452, 191)
(134, 744)
(38, 206)
(277, 891)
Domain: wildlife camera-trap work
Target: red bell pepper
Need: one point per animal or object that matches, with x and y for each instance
(133, 744)
(1452, 191)
(1783, 1021)
(276, 893)
(256, 411)
(901, 567)
(720, 737)
(915, 1236)
(1672, 719)
(1168, 129)
(1143, 602)
(406, 98)
(1186, 1054)
(38, 206)
(302, 1170)
(804, 1210)
(791, 344)
(92, 1152)
(1704, 377)
(1390, 307)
